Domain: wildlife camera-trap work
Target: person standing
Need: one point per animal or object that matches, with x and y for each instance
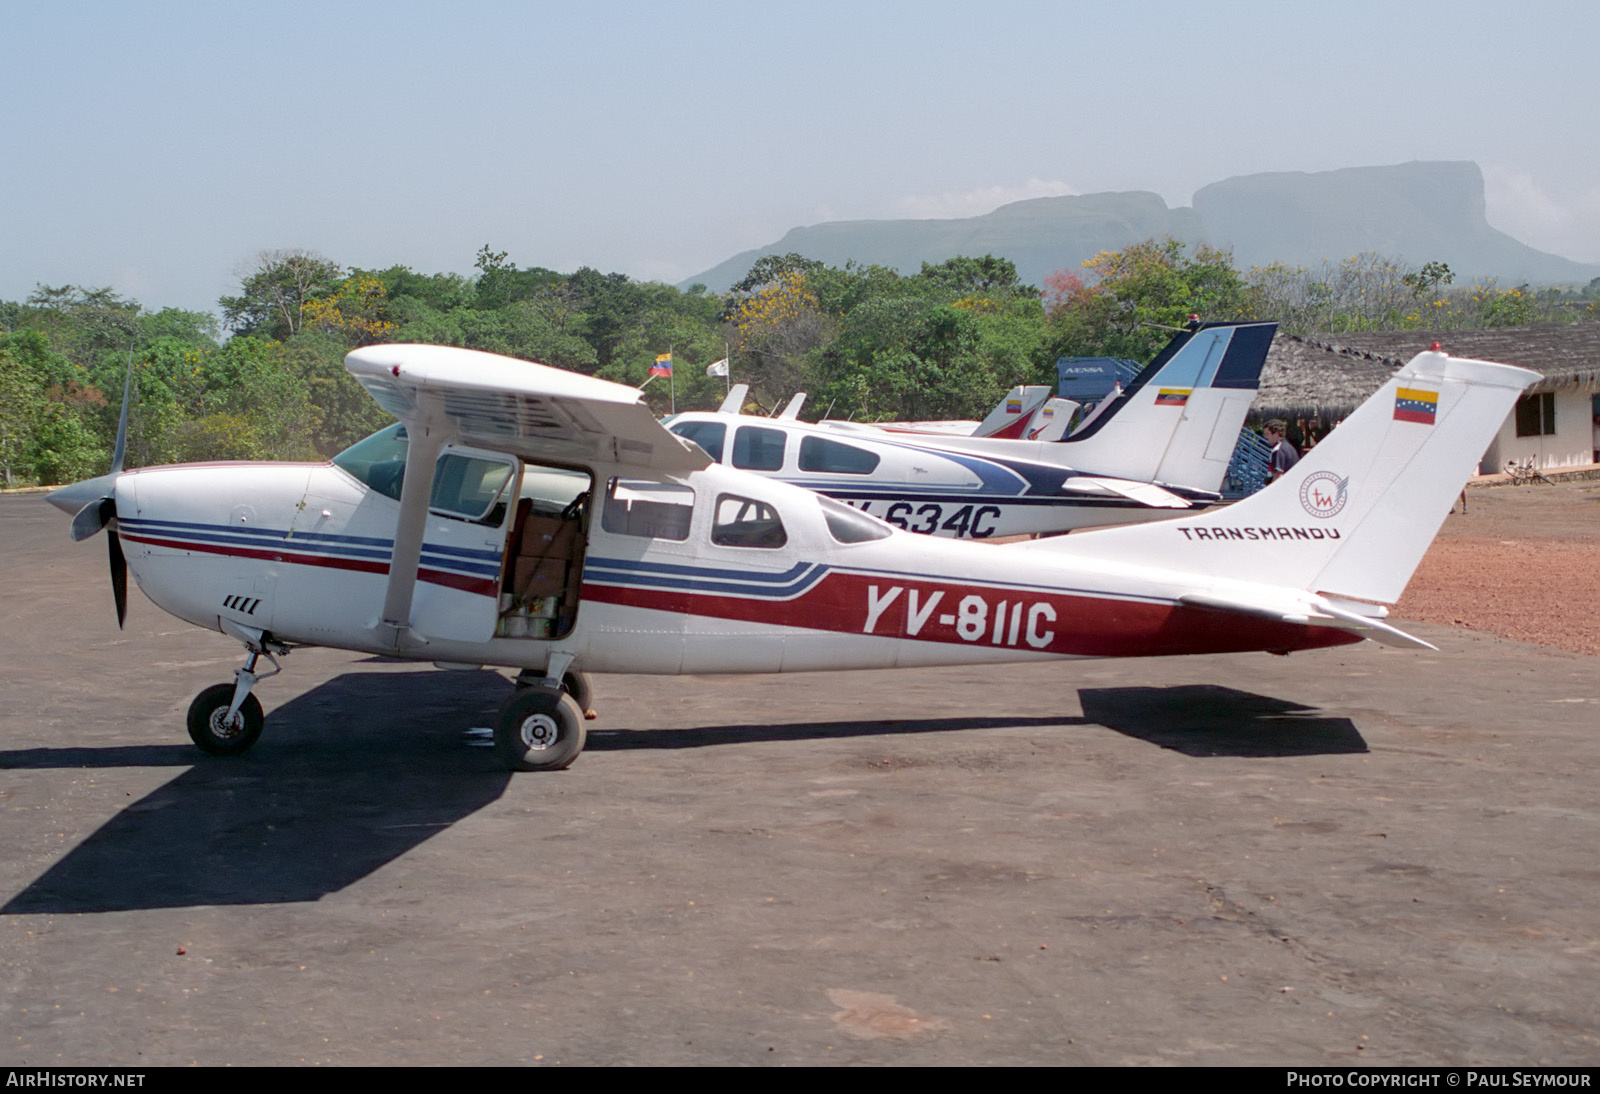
(1284, 454)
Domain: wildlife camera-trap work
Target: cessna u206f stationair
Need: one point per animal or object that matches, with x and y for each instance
(1160, 447)
(527, 517)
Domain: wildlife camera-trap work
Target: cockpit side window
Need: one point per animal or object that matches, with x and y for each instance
(745, 522)
(468, 486)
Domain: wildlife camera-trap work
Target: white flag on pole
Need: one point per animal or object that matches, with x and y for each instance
(717, 368)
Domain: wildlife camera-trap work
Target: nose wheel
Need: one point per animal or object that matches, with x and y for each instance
(225, 719)
(214, 731)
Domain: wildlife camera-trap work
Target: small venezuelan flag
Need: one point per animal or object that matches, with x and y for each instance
(663, 365)
(1415, 405)
(1013, 406)
(1173, 396)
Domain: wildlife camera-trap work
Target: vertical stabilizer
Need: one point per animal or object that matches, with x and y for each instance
(1354, 517)
(1009, 420)
(1050, 421)
(1178, 420)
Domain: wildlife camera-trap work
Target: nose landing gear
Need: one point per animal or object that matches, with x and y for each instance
(225, 719)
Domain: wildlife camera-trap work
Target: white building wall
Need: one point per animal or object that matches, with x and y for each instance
(1572, 442)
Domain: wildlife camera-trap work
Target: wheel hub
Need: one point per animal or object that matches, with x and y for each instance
(539, 732)
(224, 729)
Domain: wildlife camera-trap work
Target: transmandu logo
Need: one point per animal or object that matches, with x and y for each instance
(1323, 494)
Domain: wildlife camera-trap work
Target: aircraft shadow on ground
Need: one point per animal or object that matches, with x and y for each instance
(1207, 720)
(1198, 720)
(619, 740)
(346, 778)
(358, 771)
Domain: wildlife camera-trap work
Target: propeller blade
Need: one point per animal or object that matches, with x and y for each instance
(93, 517)
(119, 576)
(121, 449)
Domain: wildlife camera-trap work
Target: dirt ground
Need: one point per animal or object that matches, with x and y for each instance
(1523, 562)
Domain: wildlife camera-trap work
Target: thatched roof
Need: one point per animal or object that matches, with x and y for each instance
(1330, 374)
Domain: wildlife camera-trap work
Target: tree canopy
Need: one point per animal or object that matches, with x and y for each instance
(864, 341)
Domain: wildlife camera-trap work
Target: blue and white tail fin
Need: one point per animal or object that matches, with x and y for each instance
(1352, 519)
(1178, 421)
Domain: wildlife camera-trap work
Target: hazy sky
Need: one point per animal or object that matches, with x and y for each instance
(154, 147)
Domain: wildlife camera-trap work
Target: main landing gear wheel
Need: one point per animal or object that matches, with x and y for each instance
(538, 730)
(210, 730)
(574, 683)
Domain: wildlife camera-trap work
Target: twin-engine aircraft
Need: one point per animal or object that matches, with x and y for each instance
(526, 517)
(1159, 447)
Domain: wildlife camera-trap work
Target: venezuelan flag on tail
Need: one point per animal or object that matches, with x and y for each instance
(1415, 405)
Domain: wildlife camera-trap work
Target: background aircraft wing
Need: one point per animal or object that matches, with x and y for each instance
(530, 410)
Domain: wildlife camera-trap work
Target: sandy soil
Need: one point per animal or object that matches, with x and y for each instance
(1522, 562)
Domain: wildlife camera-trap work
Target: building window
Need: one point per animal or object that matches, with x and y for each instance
(1536, 415)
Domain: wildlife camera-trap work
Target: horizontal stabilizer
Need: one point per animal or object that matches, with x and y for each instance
(1145, 493)
(1318, 612)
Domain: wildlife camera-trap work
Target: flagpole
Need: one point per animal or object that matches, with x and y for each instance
(672, 385)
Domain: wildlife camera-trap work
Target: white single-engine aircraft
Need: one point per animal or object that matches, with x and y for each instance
(527, 517)
(1160, 447)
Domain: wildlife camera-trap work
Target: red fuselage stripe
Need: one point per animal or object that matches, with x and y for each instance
(481, 586)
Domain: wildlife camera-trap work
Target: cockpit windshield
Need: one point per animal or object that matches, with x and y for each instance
(378, 460)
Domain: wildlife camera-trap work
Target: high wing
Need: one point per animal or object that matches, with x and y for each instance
(446, 395)
(529, 410)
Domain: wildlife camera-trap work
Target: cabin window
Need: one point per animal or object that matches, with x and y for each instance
(654, 510)
(1536, 415)
(758, 449)
(745, 522)
(821, 454)
(708, 435)
(849, 525)
(468, 486)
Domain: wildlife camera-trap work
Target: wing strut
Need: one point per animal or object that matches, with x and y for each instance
(422, 454)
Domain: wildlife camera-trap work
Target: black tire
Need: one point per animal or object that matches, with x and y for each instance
(207, 730)
(539, 730)
(581, 688)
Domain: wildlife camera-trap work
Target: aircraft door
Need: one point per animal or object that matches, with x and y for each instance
(458, 578)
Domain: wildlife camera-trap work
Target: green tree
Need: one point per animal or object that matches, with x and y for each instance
(989, 276)
(275, 289)
(21, 401)
(1133, 293)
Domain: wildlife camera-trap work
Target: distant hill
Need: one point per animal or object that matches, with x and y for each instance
(1419, 212)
